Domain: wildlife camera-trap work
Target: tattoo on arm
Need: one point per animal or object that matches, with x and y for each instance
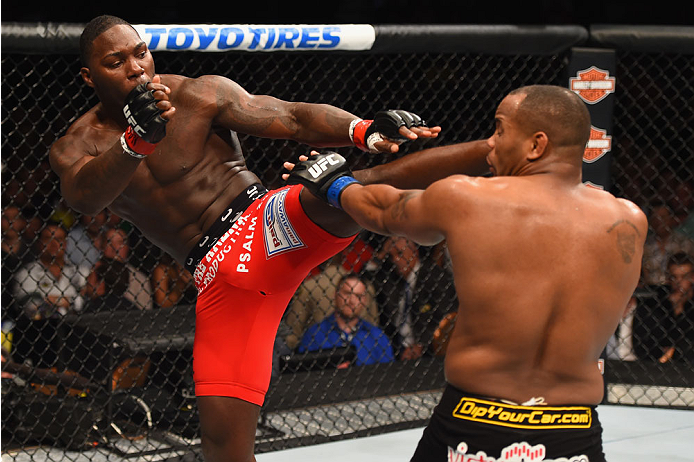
(626, 238)
(398, 211)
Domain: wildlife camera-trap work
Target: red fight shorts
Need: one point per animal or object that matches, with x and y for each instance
(245, 283)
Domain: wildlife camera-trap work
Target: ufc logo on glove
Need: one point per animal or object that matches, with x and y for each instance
(132, 122)
(321, 165)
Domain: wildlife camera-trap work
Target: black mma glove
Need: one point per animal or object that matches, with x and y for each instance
(325, 175)
(365, 133)
(146, 126)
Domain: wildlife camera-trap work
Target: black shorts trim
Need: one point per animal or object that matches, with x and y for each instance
(465, 425)
(231, 213)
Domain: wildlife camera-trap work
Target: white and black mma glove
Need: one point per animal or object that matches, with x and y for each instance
(385, 125)
(146, 126)
(326, 175)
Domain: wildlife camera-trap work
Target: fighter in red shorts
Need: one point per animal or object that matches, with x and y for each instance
(245, 282)
(161, 151)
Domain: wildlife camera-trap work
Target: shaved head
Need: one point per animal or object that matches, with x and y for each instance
(555, 110)
(92, 30)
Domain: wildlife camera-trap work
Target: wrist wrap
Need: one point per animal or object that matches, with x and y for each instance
(335, 190)
(358, 133)
(134, 145)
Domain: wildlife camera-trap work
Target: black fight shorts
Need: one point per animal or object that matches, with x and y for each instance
(469, 428)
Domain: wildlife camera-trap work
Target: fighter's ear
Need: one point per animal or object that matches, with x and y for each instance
(539, 145)
(87, 76)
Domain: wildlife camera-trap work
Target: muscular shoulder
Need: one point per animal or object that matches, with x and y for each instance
(85, 136)
(201, 92)
(634, 213)
(445, 203)
(454, 186)
(462, 190)
(624, 207)
(620, 210)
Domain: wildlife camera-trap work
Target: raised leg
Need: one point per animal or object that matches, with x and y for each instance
(227, 428)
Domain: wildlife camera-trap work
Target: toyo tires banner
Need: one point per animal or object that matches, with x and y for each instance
(244, 37)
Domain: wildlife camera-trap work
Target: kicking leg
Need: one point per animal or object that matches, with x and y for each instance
(333, 220)
(227, 427)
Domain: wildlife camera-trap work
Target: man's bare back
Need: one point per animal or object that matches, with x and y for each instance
(543, 273)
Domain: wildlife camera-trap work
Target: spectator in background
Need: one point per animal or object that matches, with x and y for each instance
(85, 238)
(111, 283)
(14, 255)
(116, 247)
(31, 189)
(680, 339)
(621, 344)
(663, 326)
(414, 298)
(345, 326)
(661, 243)
(50, 285)
(172, 284)
(13, 226)
(314, 300)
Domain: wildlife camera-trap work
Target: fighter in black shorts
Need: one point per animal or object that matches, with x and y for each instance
(544, 267)
(467, 427)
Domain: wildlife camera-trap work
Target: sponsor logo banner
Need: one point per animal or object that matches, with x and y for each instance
(599, 144)
(516, 452)
(592, 84)
(279, 232)
(256, 38)
(531, 417)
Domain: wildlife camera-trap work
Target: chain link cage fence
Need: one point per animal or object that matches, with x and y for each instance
(97, 350)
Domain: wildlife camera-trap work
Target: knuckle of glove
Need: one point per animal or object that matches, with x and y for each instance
(411, 119)
(143, 115)
(138, 96)
(388, 123)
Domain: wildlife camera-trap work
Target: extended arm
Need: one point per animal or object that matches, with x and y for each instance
(417, 214)
(319, 125)
(387, 210)
(420, 169)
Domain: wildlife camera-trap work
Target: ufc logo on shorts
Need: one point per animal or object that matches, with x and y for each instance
(321, 166)
(131, 121)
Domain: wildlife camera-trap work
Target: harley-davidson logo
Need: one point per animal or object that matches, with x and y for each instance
(598, 145)
(592, 85)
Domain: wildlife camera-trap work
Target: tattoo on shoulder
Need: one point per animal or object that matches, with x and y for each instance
(398, 211)
(626, 238)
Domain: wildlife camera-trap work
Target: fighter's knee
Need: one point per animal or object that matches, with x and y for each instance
(329, 218)
(217, 448)
(227, 429)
